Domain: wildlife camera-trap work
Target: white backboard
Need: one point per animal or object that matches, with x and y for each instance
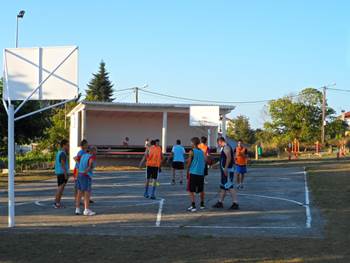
(26, 68)
(204, 116)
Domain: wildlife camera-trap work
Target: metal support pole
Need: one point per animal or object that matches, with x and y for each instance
(11, 166)
(223, 126)
(137, 95)
(164, 131)
(83, 124)
(323, 115)
(17, 32)
(209, 138)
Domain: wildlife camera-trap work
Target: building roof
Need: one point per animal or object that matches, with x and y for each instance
(346, 115)
(149, 107)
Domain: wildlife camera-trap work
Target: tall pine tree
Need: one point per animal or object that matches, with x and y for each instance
(100, 88)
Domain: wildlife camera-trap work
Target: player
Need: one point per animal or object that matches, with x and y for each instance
(178, 157)
(227, 174)
(204, 147)
(86, 168)
(160, 168)
(83, 150)
(126, 141)
(61, 171)
(195, 173)
(241, 158)
(153, 156)
(147, 143)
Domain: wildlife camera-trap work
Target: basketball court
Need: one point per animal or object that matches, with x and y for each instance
(274, 203)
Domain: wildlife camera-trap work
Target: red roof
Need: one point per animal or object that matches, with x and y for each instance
(347, 115)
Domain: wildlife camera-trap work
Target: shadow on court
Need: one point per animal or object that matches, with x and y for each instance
(273, 203)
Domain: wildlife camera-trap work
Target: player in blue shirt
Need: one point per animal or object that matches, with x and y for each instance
(195, 174)
(83, 149)
(61, 171)
(84, 181)
(178, 156)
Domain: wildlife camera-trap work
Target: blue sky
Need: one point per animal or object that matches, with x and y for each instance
(220, 50)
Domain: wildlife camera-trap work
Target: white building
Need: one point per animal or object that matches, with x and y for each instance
(345, 116)
(108, 123)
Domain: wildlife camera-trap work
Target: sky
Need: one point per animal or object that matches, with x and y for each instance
(217, 50)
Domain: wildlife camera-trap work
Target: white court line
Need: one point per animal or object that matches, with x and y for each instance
(276, 198)
(16, 204)
(160, 209)
(212, 227)
(136, 202)
(307, 203)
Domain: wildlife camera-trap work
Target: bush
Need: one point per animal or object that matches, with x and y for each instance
(30, 160)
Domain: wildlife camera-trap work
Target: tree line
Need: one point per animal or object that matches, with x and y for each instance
(291, 117)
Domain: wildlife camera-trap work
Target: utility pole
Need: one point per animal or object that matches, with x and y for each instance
(323, 114)
(136, 90)
(136, 94)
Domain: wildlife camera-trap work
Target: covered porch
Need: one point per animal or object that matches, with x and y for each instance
(107, 124)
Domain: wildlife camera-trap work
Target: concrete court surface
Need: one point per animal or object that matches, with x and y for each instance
(275, 202)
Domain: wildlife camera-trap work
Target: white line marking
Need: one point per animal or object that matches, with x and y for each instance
(307, 203)
(276, 198)
(135, 202)
(16, 204)
(38, 203)
(159, 215)
(212, 227)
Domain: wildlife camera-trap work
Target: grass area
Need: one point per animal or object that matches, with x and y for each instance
(330, 187)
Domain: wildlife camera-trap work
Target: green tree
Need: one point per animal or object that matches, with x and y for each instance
(297, 117)
(27, 130)
(100, 87)
(59, 128)
(336, 129)
(239, 128)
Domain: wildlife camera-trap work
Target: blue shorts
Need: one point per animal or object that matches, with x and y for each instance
(83, 183)
(227, 181)
(241, 169)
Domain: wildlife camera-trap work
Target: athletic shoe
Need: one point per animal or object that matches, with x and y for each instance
(192, 209)
(153, 197)
(241, 186)
(57, 206)
(218, 205)
(91, 202)
(181, 182)
(157, 183)
(205, 181)
(88, 212)
(234, 206)
(238, 186)
(172, 182)
(146, 195)
(202, 207)
(77, 211)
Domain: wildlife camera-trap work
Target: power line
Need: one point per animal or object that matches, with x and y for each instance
(179, 98)
(343, 90)
(120, 90)
(212, 101)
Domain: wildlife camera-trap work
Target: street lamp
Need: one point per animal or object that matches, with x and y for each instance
(20, 15)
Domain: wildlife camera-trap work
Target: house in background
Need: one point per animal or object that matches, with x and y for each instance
(345, 116)
(107, 124)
